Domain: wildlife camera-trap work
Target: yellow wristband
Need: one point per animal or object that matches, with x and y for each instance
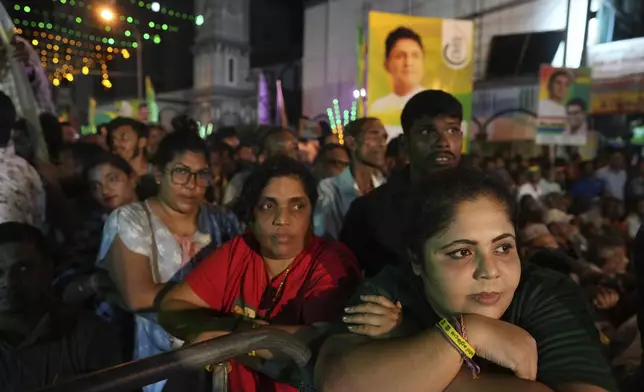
(252, 353)
(455, 337)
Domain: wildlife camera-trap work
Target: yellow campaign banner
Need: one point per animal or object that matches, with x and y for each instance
(409, 54)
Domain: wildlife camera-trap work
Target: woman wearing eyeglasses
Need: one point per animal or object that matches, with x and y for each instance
(278, 275)
(148, 244)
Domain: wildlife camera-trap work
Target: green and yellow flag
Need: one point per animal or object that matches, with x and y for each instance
(362, 51)
(150, 96)
(92, 115)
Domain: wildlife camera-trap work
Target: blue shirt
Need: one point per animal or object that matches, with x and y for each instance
(335, 196)
(587, 188)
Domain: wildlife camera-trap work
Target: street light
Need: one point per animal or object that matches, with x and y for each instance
(108, 16)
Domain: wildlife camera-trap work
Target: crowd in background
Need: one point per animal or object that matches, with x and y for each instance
(101, 228)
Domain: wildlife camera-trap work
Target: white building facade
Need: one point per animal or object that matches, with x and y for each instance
(329, 66)
(224, 91)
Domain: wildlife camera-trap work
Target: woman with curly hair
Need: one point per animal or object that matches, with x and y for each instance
(277, 275)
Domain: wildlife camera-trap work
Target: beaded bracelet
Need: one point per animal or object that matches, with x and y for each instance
(457, 337)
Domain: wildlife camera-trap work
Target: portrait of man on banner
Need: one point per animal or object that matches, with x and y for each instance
(577, 115)
(409, 54)
(405, 64)
(558, 87)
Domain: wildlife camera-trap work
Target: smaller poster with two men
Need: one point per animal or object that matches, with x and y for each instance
(564, 95)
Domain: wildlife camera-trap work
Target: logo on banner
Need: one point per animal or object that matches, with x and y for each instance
(456, 42)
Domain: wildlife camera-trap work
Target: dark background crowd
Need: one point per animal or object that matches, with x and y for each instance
(577, 217)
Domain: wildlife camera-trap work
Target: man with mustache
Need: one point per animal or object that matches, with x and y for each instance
(433, 138)
(367, 141)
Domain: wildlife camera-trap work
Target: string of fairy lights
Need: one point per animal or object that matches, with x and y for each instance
(58, 29)
(152, 6)
(28, 11)
(67, 51)
(337, 121)
(66, 57)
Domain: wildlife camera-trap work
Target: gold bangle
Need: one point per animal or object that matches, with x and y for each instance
(456, 338)
(252, 353)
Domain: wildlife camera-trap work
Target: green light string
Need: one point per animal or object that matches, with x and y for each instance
(141, 4)
(329, 113)
(78, 19)
(164, 10)
(79, 34)
(336, 112)
(354, 109)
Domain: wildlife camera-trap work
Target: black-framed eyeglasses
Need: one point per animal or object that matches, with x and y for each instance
(182, 176)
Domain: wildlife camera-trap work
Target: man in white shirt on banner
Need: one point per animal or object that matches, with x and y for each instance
(558, 87)
(405, 63)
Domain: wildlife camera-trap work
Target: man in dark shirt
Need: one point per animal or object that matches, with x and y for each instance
(433, 138)
(41, 341)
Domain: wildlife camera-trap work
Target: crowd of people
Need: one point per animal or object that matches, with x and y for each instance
(403, 265)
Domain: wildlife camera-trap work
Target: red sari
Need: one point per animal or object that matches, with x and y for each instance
(315, 288)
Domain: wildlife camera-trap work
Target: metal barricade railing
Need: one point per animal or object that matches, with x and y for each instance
(136, 374)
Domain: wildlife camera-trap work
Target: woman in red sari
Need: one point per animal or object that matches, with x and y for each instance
(277, 275)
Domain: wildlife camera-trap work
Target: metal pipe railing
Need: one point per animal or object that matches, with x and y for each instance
(136, 374)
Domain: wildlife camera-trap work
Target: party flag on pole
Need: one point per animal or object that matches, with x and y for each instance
(150, 95)
(361, 47)
(91, 113)
(263, 101)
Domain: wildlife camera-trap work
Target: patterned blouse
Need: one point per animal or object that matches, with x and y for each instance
(175, 258)
(22, 196)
